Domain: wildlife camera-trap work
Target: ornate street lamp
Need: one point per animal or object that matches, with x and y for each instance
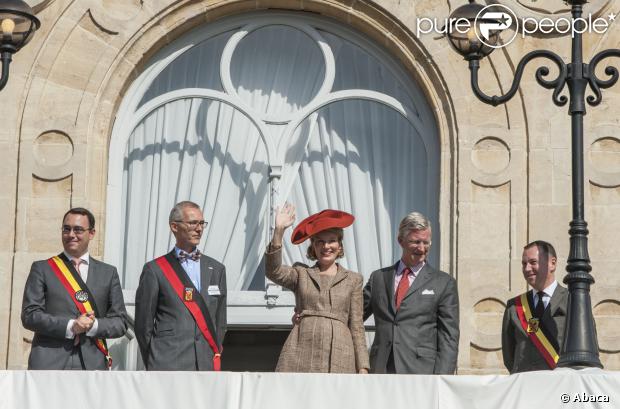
(17, 26)
(580, 347)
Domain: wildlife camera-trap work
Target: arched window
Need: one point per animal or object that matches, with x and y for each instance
(246, 113)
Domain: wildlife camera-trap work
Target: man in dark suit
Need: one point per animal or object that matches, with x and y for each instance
(73, 302)
(416, 309)
(533, 325)
(181, 301)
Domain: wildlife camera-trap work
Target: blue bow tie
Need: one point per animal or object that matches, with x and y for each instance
(184, 255)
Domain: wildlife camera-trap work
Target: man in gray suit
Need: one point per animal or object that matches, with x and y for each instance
(181, 301)
(73, 302)
(533, 325)
(416, 309)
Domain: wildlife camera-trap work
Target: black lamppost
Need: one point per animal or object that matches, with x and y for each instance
(580, 347)
(17, 26)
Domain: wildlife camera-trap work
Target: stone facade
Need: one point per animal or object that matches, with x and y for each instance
(505, 171)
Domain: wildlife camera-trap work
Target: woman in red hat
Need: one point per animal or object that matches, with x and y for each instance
(329, 334)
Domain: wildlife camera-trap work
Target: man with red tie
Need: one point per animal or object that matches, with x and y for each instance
(415, 307)
(73, 302)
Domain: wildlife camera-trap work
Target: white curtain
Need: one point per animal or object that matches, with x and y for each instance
(195, 67)
(277, 70)
(207, 152)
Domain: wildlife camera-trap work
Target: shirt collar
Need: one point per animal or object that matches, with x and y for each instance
(549, 290)
(415, 269)
(84, 257)
(178, 250)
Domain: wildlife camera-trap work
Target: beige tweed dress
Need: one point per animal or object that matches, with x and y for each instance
(330, 336)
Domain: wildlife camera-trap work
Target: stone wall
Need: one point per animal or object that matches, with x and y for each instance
(505, 170)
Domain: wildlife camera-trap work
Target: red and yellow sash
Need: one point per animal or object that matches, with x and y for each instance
(533, 327)
(73, 288)
(192, 305)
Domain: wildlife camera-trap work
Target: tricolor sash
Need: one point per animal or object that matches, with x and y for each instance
(192, 299)
(536, 330)
(80, 295)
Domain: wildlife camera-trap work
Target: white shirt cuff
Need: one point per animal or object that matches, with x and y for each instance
(93, 330)
(69, 332)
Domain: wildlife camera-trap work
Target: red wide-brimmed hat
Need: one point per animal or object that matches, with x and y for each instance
(318, 222)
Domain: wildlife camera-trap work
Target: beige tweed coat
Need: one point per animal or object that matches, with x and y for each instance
(330, 336)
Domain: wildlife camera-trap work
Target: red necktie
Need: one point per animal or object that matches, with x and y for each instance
(403, 287)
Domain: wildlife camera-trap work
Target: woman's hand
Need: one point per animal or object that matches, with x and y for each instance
(363, 371)
(285, 217)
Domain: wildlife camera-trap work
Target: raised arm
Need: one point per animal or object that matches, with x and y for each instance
(274, 270)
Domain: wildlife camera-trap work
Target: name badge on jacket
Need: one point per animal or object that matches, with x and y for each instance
(213, 290)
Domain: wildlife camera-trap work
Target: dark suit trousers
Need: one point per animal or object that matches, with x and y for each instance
(390, 367)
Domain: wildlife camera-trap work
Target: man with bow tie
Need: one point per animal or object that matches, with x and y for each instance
(533, 324)
(416, 309)
(181, 301)
(73, 302)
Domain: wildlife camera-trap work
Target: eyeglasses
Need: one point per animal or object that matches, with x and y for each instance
(193, 224)
(419, 242)
(78, 230)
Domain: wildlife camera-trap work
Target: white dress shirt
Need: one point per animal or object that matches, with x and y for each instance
(548, 293)
(191, 267)
(415, 270)
(84, 275)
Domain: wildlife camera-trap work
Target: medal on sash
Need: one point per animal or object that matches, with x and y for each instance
(533, 324)
(81, 296)
(188, 294)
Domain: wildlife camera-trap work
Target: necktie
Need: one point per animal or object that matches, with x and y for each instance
(77, 262)
(540, 306)
(184, 255)
(403, 286)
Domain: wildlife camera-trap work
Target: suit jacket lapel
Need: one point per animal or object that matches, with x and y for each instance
(205, 276)
(341, 274)
(557, 302)
(313, 273)
(388, 278)
(423, 276)
(92, 275)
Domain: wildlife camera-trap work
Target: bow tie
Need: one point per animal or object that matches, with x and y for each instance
(184, 255)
